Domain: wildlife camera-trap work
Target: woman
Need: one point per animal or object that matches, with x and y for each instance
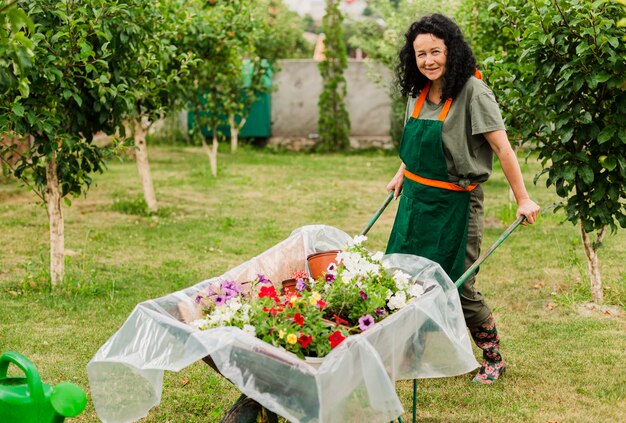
(447, 149)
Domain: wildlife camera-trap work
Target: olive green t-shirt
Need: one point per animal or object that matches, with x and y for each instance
(473, 112)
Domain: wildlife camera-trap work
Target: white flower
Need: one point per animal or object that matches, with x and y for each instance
(227, 316)
(249, 329)
(378, 256)
(398, 301)
(347, 276)
(389, 294)
(415, 290)
(402, 279)
(199, 323)
(215, 319)
(234, 305)
(358, 240)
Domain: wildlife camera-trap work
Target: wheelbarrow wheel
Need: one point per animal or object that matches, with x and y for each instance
(247, 410)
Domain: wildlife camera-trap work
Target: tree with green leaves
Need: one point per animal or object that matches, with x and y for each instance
(156, 72)
(561, 73)
(333, 125)
(220, 37)
(72, 97)
(277, 32)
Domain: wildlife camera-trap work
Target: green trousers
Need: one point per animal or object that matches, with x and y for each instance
(475, 310)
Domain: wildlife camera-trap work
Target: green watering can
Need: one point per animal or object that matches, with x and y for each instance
(27, 400)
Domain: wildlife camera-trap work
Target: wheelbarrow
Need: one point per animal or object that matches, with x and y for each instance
(247, 410)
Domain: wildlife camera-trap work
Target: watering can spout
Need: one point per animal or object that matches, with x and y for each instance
(27, 399)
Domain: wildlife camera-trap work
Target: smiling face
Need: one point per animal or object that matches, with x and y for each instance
(430, 54)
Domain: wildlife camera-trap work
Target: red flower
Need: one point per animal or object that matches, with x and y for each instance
(305, 340)
(272, 310)
(298, 319)
(268, 291)
(336, 338)
(321, 304)
(339, 320)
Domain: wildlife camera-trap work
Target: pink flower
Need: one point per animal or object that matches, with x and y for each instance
(366, 322)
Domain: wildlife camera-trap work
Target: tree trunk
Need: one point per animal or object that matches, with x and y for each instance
(234, 132)
(211, 151)
(55, 216)
(591, 251)
(141, 157)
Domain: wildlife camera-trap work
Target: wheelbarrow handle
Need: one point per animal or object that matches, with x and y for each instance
(465, 276)
(374, 218)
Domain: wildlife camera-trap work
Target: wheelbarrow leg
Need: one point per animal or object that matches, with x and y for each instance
(268, 416)
(414, 400)
(246, 410)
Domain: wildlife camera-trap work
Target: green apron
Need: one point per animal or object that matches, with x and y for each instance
(431, 221)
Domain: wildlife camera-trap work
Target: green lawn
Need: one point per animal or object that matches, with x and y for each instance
(566, 362)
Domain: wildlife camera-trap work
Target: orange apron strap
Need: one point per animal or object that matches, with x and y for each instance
(420, 101)
(445, 110)
(437, 184)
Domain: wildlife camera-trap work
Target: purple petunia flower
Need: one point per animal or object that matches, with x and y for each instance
(329, 277)
(229, 293)
(220, 300)
(231, 285)
(366, 322)
(380, 312)
(198, 299)
(262, 278)
(301, 285)
(363, 294)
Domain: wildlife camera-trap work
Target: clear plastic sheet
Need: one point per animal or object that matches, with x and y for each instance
(355, 382)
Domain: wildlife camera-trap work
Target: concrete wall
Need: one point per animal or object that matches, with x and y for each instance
(298, 86)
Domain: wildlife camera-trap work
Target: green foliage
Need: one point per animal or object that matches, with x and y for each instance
(279, 34)
(558, 68)
(16, 48)
(220, 34)
(149, 62)
(333, 124)
(137, 206)
(78, 92)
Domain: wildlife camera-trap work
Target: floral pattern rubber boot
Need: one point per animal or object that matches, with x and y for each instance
(486, 338)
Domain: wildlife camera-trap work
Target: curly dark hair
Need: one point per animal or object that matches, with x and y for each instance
(460, 61)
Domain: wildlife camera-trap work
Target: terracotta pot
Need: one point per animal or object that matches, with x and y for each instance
(319, 262)
(289, 286)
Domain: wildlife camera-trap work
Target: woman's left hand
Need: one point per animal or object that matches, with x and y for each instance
(529, 209)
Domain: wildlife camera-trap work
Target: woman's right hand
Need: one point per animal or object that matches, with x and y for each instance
(396, 182)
